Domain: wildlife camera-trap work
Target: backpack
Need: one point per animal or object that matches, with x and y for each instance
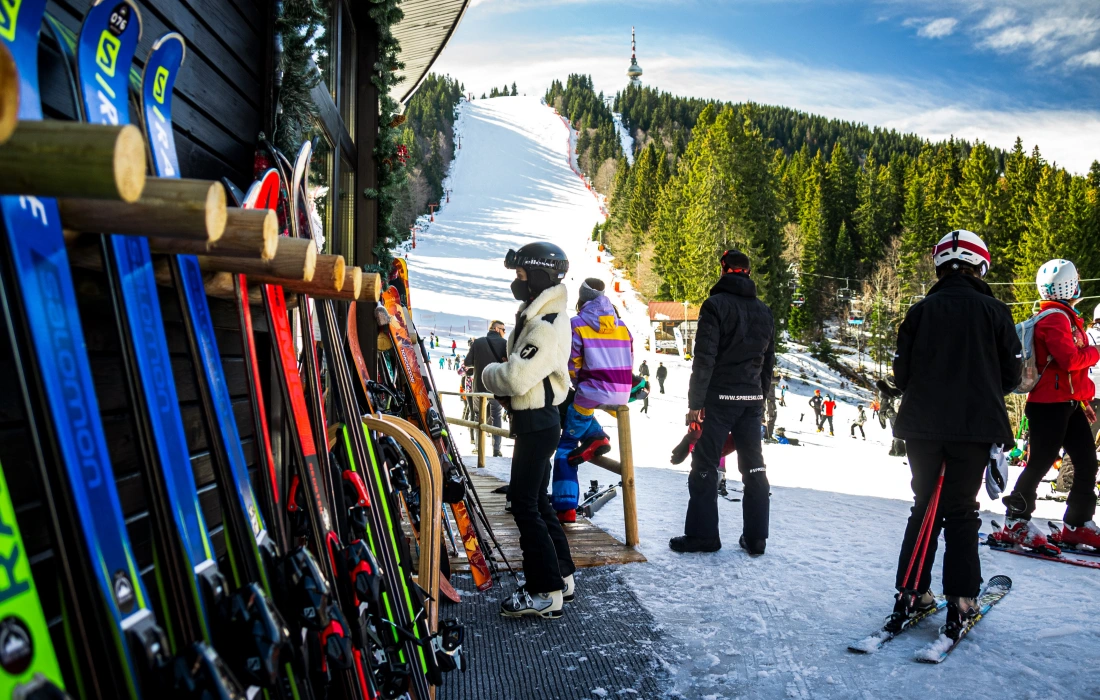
(1030, 374)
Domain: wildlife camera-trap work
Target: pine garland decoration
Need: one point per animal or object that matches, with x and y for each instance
(390, 166)
(299, 24)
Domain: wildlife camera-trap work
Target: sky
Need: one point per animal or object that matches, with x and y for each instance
(977, 69)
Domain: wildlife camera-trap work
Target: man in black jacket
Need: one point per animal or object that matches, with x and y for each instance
(957, 357)
(730, 376)
(484, 352)
(662, 372)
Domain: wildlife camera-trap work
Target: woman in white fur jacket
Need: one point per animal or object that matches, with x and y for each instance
(531, 384)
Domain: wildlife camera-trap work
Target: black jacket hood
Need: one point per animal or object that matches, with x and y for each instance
(735, 283)
(961, 280)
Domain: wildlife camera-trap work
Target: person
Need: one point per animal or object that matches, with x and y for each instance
(533, 382)
(783, 386)
(772, 411)
(1059, 414)
(815, 403)
(643, 370)
(874, 411)
(861, 418)
(600, 362)
(442, 360)
(1094, 371)
(730, 375)
(454, 348)
(959, 341)
(483, 352)
(662, 373)
(828, 407)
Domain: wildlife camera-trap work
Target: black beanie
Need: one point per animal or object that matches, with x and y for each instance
(735, 260)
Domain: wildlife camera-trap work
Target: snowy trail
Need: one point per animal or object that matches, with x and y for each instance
(778, 625)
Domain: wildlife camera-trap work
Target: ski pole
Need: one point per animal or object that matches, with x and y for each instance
(920, 547)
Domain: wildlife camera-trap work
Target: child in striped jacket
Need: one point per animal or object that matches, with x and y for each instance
(600, 365)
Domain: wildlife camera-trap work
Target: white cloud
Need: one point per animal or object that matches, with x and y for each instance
(998, 18)
(937, 28)
(1089, 59)
(932, 110)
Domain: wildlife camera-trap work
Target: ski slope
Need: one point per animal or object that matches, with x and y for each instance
(775, 626)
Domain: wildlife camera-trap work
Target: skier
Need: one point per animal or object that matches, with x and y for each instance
(442, 361)
(483, 352)
(815, 403)
(643, 369)
(662, 373)
(600, 362)
(783, 386)
(772, 411)
(730, 375)
(531, 384)
(454, 348)
(959, 341)
(828, 406)
(1058, 414)
(1094, 371)
(859, 421)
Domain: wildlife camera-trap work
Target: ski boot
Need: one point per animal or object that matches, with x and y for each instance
(722, 490)
(684, 543)
(588, 450)
(907, 604)
(569, 593)
(524, 604)
(960, 615)
(1087, 534)
(567, 516)
(753, 547)
(1024, 533)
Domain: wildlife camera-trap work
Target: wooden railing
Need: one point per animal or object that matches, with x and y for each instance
(623, 467)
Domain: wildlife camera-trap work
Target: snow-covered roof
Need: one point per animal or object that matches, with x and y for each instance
(423, 32)
(671, 311)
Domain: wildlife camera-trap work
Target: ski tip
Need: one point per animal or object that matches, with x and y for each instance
(1000, 581)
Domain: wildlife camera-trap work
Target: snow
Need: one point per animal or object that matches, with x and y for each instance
(625, 139)
(777, 625)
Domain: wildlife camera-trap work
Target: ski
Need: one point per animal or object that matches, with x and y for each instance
(1022, 552)
(106, 605)
(993, 593)
(877, 639)
(255, 564)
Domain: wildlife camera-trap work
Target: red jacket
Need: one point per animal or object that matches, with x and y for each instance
(1066, 378)
(829, 407)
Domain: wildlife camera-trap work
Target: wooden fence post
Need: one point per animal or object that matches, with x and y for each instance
(626, 463)
(481, 419)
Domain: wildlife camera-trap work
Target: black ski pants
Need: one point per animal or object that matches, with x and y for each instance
(957, 514)
(1054, 426)
(742, 420)
(821, 426)
(860, 426)
(546, 557)
(661, 382)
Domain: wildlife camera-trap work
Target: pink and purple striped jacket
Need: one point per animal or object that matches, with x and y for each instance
(601, 359)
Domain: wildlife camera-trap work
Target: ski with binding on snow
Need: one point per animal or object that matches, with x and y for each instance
(1056, 538)
(993, 593)
(877, 639)
(1022, 551)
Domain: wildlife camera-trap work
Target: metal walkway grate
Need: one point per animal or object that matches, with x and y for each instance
(605, 646)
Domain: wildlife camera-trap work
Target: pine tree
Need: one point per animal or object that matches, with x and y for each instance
(979, 206)
(872, 217)
(1050, 232)
(1020, 182)
(917, 235)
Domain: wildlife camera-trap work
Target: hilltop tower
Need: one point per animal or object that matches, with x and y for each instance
(634, 72)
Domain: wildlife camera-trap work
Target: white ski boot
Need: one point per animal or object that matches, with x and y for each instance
(522, 604)
(569, 593)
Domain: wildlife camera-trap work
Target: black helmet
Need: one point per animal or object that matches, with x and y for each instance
(539, 256)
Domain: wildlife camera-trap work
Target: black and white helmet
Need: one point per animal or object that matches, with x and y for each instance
(543, 256)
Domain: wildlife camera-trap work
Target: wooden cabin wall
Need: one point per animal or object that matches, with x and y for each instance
(218, 113)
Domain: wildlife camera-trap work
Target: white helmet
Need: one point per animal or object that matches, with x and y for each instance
(1057, 279)
(962, 246)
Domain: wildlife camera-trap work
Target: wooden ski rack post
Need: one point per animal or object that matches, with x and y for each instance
(295, 260)
(70, 159)
(331, 271)
(624, 466)
(9, 94)
(249, 233)
(168, 208)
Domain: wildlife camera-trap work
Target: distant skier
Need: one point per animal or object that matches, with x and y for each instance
(828, 407)
(815, 403)
(662, 374)
(532, 383)
(772, 412)
(454, 347)
(730, 375)
(483, 352)
(1058, 413)
(600, 363)
(442, 361)
(958, 342)
(783, 391)
(861, 418)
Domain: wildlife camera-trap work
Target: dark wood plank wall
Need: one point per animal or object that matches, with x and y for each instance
(217, 114)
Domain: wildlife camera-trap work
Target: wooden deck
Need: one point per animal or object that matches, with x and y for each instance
(589, 545)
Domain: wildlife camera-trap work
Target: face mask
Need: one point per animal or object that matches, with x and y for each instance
(519, 289)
